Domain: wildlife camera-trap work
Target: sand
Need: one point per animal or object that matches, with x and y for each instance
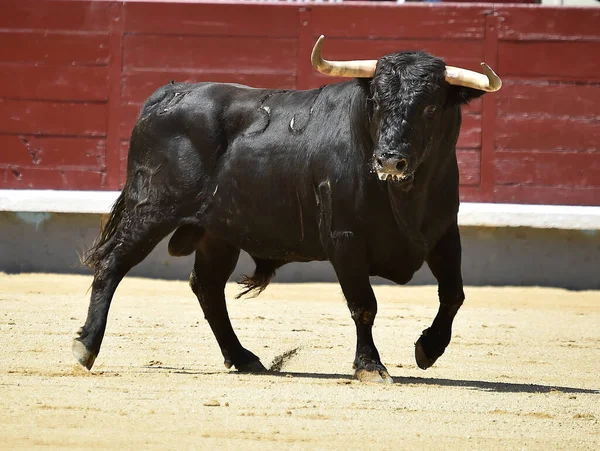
(522, 371)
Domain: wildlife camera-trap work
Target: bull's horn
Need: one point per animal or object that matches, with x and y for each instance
(489, 82)
(359, 68)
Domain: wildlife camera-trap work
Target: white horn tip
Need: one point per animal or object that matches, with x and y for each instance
(495, 83)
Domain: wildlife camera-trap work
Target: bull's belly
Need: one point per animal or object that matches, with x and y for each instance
(395, 261)
(268, 237)
(263, 246)
(400, 275)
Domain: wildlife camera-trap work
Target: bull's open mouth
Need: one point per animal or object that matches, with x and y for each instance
(395, 178)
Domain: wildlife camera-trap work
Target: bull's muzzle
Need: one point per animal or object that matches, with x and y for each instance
(393, 168)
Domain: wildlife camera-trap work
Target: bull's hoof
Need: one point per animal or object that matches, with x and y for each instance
(423, 361)
(251, 367)
(84, 356)
(427, 351)
(373, 373)
(244, 361)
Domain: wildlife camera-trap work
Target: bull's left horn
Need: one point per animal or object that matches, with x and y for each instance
(489, 82)
(359, 68)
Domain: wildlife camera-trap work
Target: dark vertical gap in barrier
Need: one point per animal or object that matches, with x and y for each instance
(488, 113)
(114, 97)
(305, 38)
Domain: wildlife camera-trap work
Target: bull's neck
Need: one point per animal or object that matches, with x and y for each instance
(408, 208)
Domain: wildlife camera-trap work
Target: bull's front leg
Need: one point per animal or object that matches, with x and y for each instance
(354, 280)
(347, 253)
(444, 261)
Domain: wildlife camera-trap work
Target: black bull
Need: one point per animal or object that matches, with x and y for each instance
(361, 173)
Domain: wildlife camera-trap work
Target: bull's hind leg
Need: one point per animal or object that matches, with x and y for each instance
(129, 240)
(215, 261)
(444, 262)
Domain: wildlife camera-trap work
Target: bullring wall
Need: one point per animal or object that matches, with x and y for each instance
(51, 242)
(73, 75)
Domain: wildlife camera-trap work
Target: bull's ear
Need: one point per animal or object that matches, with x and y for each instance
(459, 95)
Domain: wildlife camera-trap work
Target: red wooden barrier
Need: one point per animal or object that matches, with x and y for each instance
(73, 76)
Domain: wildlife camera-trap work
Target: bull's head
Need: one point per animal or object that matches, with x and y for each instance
(412, 93)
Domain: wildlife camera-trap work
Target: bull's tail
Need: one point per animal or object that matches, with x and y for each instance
(103, 243)
(264, 272)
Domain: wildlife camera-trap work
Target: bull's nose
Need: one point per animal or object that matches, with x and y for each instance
(392, 165)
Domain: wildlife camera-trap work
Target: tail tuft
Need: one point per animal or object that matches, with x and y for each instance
(100, 248)
(264, 272)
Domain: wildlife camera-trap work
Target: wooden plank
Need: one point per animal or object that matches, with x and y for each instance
(233, 54)
(113, 111)
(488, 113)
(470, 194)
(54, 48)
(548, 24)
(52, 118)
(54, 82)
(547, 195)
(128, 114)
(470, 132)
(474, 107)
(211, 19)
(550, 133)
(469, 162)
(399, 21)
(137, 86)
(560, 169)
(73, 16)
(52, 152)
(305, 44)
(549, 60)
(555, 99)
(548, 168)
(123, 153)
(38, 178)
(510, 168)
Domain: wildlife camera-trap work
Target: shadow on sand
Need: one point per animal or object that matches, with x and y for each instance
(499, 387)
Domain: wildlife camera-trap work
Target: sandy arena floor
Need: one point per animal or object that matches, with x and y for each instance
(522, 372)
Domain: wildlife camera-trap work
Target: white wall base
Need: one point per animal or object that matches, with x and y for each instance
(503, 244)
(470, 215)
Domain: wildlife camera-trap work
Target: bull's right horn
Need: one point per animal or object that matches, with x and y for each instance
(358, 68)
(488, 82)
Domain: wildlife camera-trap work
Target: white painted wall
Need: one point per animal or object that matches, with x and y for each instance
(470, 215)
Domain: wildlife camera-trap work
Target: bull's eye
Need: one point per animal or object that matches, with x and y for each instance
(430, 110)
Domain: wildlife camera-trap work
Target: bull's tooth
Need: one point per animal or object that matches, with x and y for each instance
(382, 177)
(389, 177)
(395, 178)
